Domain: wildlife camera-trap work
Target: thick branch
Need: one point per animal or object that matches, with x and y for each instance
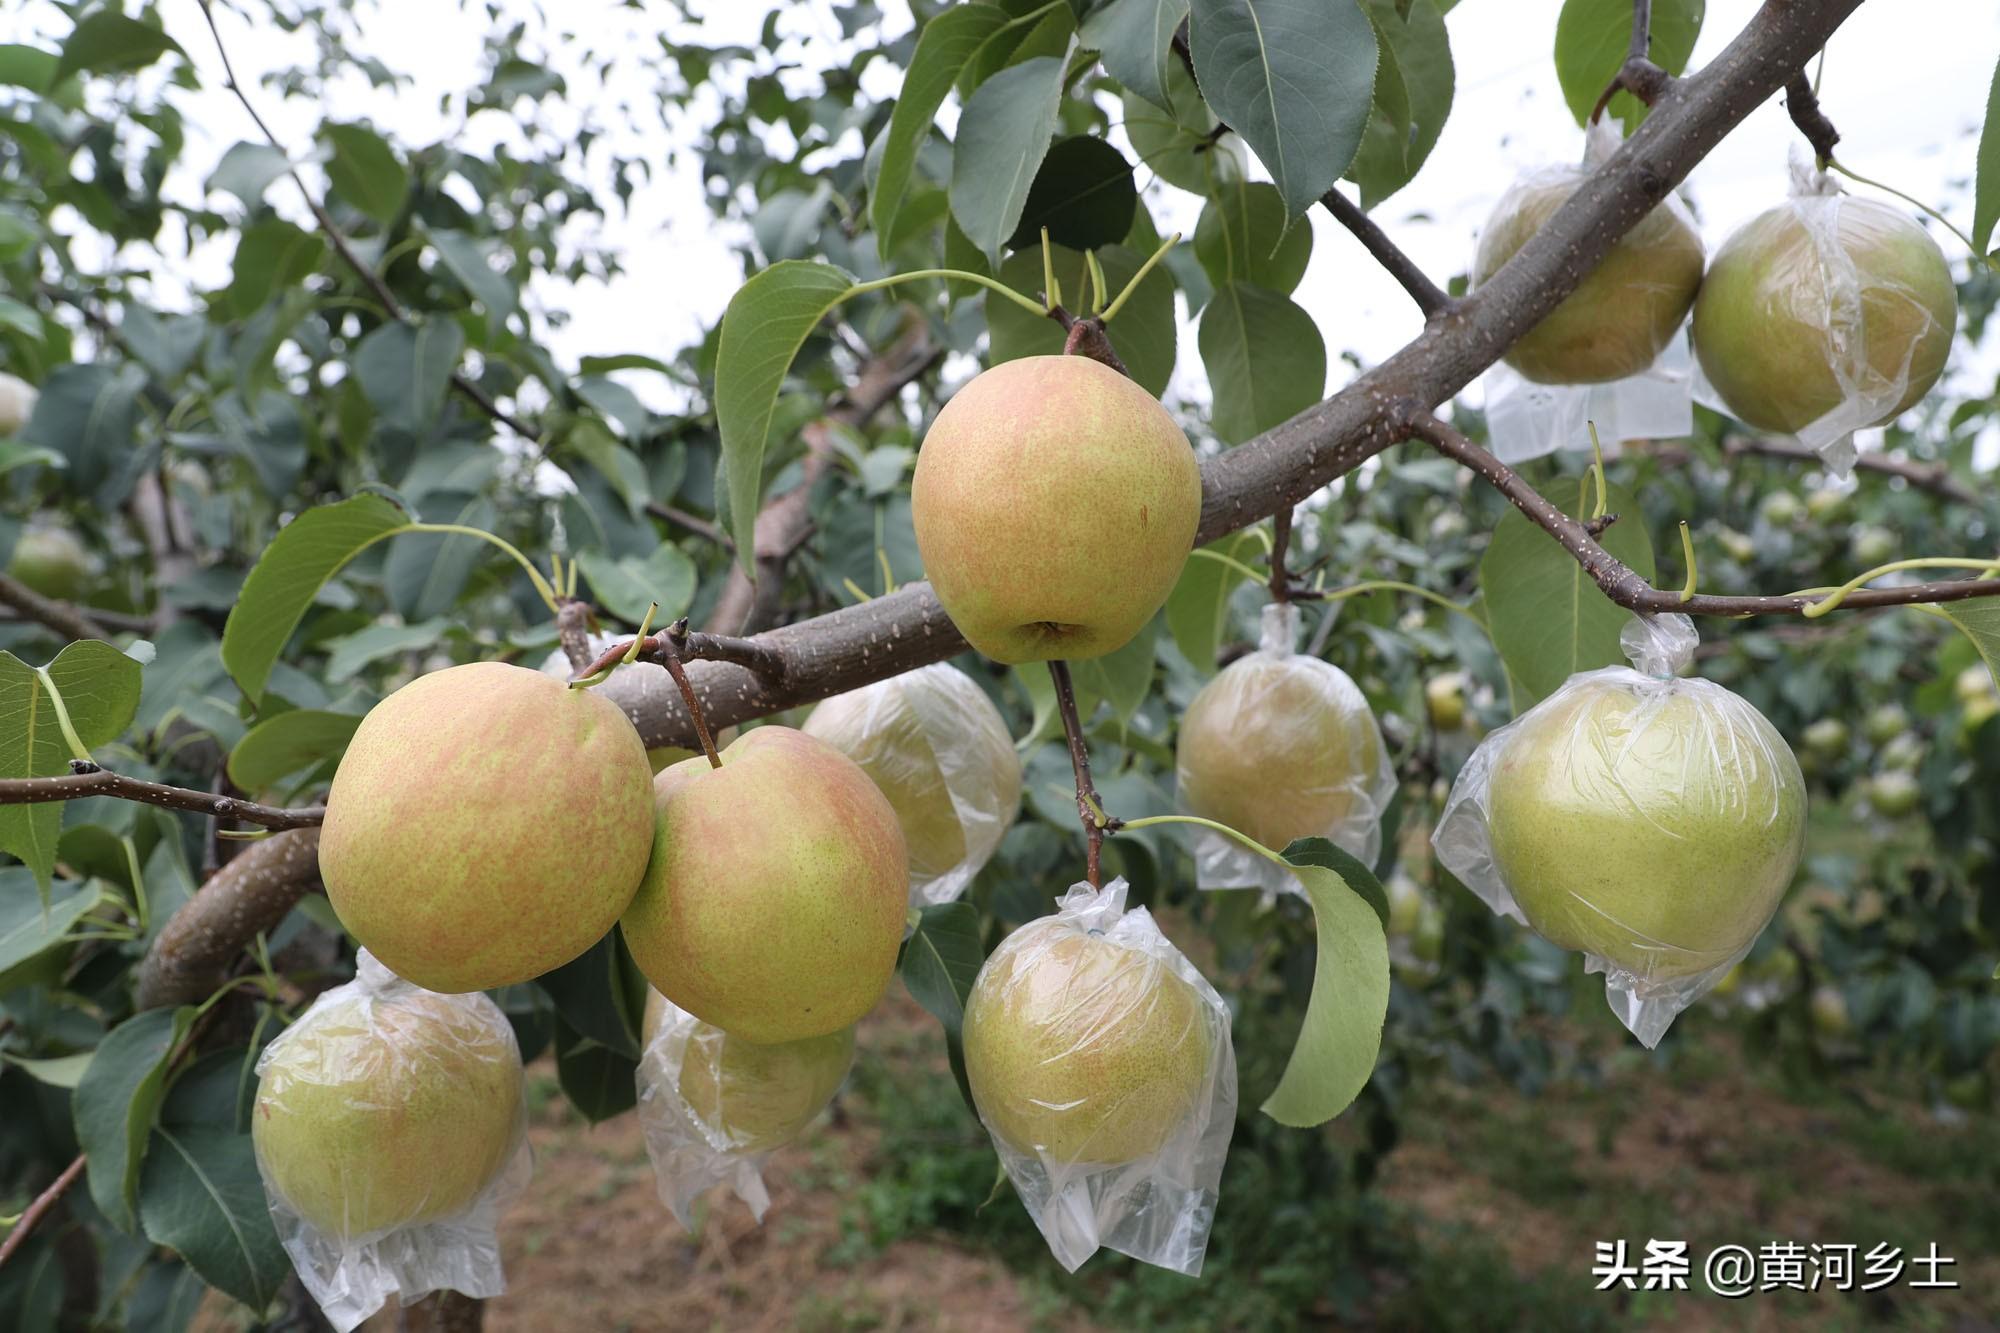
(250, 895)
(102, 782)
(1623, 584)
(1430, 298)
(1803, 107)
(72, 621)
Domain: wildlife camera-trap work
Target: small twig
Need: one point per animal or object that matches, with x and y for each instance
(695, 646)
(1935, 478)
(1089, 808)
(671, 660)
(1281, 540)
(1086, 337)
(694, 523)
(62, 617)
(103, 782)
(1430, 298)
(1638, 76)
(1622, 584)
(1803, 106)
(34, 1211)
(338, 239)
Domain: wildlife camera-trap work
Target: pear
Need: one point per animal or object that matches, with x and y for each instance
(753, 1098)
(1655, 828)
(1279, 746)
(1444, 699)
(486, 825)
(1080, 1050)
(17, 403)
(1823, 300)
(1055, 502)
(1622, 314)
(50, 560)
(387, 1110)
(774, 903)
(934, 743)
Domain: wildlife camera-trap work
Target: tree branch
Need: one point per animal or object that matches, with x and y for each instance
(64, 618)
(1638, 76)
(44, 1201)
(1621, 583)
(1933, 477)
(1803, 107)
(1430, 298)
(103, 782)
(372, 280)
(694, 523)
(250, 895)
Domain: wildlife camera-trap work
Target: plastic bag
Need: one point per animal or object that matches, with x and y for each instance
(1101, 1064)
(940, 751)
(390, 1131)
(1281, 746)
(1825, 315)
(1650, 823)
(1613, 351)
(713, 1107)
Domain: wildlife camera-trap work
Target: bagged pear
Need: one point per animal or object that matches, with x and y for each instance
(1648, 822)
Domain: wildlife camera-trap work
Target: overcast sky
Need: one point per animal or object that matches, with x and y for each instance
(1906, 95)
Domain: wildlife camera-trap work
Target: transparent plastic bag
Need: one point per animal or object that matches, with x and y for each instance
(1613, 351)
(1101, 1064)
(940, 751)
(714, 1107)
(1823, 316)
(390, 1131)
(1276, 719)
(1649, 822)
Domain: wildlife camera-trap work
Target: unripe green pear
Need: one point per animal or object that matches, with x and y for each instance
(1656, 829)
(1277, 747)
(902, 731)
(1894, 794)
(1872, 546)
(1781, 509)
(486, 825)
(17, 403)
(1082, 1050)
(1622, 314)
(1827, 737)
(1975, 715)
(1884, 723)
(51, 561)
(1974, 684)
(1737, 545)
(1444, 697)
(380, 1112)
(1825, 504)
(1904, 751)
(774, 903)
(1830, 1016)
(1055, 502)
(1780, 331)
(1406, 904)
(756, 1098)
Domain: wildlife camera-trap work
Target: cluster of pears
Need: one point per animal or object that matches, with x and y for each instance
(1826, 307)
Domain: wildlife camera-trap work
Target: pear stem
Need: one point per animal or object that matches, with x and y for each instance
(1281, 541)
(1089, 808)
(670, 658)
(1087, 338)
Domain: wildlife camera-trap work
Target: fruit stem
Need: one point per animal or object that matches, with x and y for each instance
(547, 594)
(1687, 553)
(1834, 164)
(1089, 808)
(1228, 560)
(991, 285)
(1151, 820)
(1051, 289)
(1838, 595)
(1597, 471)
(1391, 585)
(76, 745)
(1111, 311)
(670, 658)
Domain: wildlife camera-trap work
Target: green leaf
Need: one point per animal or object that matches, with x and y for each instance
(27, 67)
(1986, 192)
(247, 171)
(466, 259)
(1264, 356)
(619, 465)
(107, 42)
(13, 455)
(405, 369)
(300, 559)
(1122, 679)
(1244, 236)
(1592, 38)
(365, 172)
(271, 256)
(1979, 618)
(354, 652)
(1295, 78)
(1177, 142)
(100, 692)
(1143, 334)
(116, 1101)
(1003, 134)
(89, 413)
(1342, 1033)
(1548, 619)
(765, 324)
(940, 961)
(593, 995)
(628, 586)
(1198, 607)
(1083, 194)
(599, 1082)
(30, 927)
(62, 1071)
(1135, 38)
(202, 1197)
(1413, 95)
(280, 746)
(943, 47)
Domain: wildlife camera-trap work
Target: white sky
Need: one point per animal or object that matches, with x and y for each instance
(1907, 96)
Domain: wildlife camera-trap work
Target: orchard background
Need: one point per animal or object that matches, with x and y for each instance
(443, 306)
